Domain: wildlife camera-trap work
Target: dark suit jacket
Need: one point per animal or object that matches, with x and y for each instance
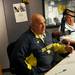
(27, 44)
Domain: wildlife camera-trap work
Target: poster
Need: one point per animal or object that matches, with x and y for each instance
(20, 12)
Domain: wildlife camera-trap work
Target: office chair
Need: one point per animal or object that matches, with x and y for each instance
(9, 52)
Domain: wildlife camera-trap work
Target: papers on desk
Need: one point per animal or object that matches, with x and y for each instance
(65, 67)
(70, 37)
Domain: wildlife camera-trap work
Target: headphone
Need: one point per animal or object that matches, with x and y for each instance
(63, 21)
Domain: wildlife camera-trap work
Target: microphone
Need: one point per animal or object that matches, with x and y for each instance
(68, 32)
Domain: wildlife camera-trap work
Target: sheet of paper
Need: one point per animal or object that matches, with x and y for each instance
(20, 12)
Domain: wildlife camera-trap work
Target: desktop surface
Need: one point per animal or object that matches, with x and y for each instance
(65, 67)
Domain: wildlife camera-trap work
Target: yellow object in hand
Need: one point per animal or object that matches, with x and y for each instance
(31, 61)
(57, 47)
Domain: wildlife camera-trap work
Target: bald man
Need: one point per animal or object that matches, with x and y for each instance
(28, 56)
(38, 24)
(31, 53)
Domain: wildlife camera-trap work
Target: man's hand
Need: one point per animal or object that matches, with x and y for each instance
(64, 41)
(69, 48)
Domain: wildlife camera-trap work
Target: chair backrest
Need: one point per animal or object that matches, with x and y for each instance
(10, 49)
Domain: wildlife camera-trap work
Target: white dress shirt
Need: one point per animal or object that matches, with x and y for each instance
(69, 27)
(72, 35)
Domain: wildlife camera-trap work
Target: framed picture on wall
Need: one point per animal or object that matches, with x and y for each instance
(53, 10)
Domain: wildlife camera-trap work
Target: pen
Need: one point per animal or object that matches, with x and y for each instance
(61, 71)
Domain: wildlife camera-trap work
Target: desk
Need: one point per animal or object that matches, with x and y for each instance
(65, 67)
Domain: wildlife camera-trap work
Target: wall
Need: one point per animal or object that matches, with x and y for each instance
(36, 6)
(9, 27)
(3, 38)
(50, 30)
(16, 29)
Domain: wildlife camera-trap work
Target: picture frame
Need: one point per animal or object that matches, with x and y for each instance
(52, 11)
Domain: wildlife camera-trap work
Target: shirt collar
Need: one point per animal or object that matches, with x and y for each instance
(40, 35)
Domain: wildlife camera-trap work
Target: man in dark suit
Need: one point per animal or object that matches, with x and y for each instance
(31, 55)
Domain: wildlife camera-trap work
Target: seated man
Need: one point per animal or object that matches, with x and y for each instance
(34, 53)
(68, 25)
(67, 22)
